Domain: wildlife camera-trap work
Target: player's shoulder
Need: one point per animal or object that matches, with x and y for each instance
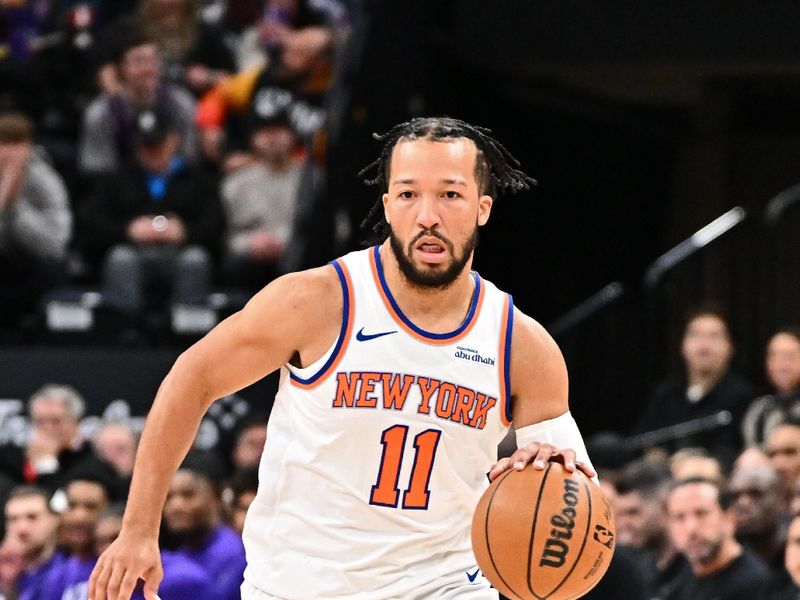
(530, 339)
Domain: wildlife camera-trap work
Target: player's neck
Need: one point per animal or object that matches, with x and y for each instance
(436, 309)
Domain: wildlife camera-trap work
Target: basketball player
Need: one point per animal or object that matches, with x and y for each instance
(401, 370)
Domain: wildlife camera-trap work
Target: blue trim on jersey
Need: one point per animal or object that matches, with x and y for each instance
(433, 336)
(507, 366)
(342, 330)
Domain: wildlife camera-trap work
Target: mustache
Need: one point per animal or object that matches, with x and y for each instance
(430, 233)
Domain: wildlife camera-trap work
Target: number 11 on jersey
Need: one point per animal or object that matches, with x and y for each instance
(385, 491)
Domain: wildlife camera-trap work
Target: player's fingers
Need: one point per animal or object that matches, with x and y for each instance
(500, 467)
(126, 586)
(542, 456)
(114, 582)
(523, 456)
(586, 469)
(568, 458)
(152, 579)
(98, 581)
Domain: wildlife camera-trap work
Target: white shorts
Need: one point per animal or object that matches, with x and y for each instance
(467, 593)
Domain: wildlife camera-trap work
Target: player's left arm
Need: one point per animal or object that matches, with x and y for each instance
(543, 424)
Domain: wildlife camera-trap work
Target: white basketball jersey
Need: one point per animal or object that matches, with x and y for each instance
(378, 453)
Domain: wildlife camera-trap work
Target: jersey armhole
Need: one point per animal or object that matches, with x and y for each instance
(504, 364)
(332, 357)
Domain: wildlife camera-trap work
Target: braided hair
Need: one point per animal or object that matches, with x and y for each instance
(495, 167)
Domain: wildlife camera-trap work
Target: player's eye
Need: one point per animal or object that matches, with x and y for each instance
(452, 194)
(407, 195)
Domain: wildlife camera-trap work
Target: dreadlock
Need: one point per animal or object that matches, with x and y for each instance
(495, 167)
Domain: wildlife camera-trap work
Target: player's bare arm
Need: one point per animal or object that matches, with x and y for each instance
(539, 385)
(294, 319)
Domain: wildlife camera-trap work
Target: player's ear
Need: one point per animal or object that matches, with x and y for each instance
(385, 200)
(484, 209)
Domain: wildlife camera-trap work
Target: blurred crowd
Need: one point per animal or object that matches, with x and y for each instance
(706, 486)
(154, 149)
(64, 497)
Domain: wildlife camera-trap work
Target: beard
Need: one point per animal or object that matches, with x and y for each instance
(708, 553)
(432, 278)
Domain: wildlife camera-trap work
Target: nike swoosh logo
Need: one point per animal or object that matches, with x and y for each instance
(364, 337)
(472, 576)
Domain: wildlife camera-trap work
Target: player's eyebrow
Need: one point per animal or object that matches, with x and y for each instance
(410, 181)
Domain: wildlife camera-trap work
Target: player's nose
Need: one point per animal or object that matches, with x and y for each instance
(428, 215)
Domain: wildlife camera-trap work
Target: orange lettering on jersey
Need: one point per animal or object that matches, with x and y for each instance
(464, 403)
(484, 404)
(394, 396)
(427, 387)
(346, 384)
(445, 400)
(368, 381)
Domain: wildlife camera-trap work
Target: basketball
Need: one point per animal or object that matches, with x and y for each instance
(543, 534)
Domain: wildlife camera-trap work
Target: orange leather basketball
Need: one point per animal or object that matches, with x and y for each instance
(543, 534)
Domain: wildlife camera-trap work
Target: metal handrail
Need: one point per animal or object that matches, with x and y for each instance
(689, 246)
(780, 203)
(586, 309)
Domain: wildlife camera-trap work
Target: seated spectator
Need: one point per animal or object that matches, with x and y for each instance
(259, 201)
(30, 521)
(194, 53)
(709, 385)
(310, 28)
(702, 529)
(116, 444)
(243, 488)
(790, 590)
(12, 564)
(183, 579)
(783, 448)
(695, 462)
(642, 524)
(155, 221)
(782, 365)
(88, 495)
(759, 513)
(55, 448)
(109, 123)
(35, 220)
(248, 446)
(192, 514)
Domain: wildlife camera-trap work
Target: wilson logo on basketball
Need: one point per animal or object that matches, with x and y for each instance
(555, 549)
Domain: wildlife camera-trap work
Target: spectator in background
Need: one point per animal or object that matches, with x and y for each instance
(55, 448)
(709, 385)
(12, 564)
(183, 579)
(155, 222)
(192, 514)
(702, 529)
(782, 364)
(35, 220)
(243, 488)
(783, 448)
(107, 137)
(88, 494)
(642, 524)
(248, 446)
(789, 590)
(759, 513)
(194, 53)
(695, 462)
(259, 201)
(116, 444)
(30, 521)
(295, 27)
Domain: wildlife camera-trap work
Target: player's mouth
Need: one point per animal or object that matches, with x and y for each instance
(431, 250)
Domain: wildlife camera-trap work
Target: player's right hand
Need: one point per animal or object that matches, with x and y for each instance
(128, 559)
